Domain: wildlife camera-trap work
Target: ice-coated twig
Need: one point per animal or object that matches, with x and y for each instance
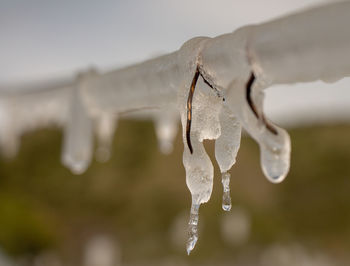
(217, 85)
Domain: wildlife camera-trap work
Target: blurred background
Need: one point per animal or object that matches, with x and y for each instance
(133, 209)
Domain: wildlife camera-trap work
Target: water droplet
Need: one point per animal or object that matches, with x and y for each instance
(226, 198)
(193, 228)
(275, 156)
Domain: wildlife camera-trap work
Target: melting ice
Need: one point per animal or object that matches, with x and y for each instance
(212, 118)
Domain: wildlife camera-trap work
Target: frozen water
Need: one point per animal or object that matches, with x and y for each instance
(25, 111)
(303, 47)
(9, 135)
(106, 126)
(193, 227)
(166, 126)
(226, 149)
(275, 156)
(237, 67)
(226, 198)
(227, 145)
(274, 142)
(78, 135)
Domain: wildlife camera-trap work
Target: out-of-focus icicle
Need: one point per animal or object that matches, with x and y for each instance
(226, 149)
(166, 126)
(105, 129)
(28, 110)
(78, 132)
(9, 135)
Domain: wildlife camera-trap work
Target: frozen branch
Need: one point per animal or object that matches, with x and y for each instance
(216, 84)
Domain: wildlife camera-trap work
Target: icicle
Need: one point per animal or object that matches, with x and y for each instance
(9, 132)
(274, 142)
(193, 227)
(199, 180)
(198, 166)
(204, 125)
(227, 145)
(78, 134)
(166, 126)
(226, 198)
(106, 127)
(226, 149)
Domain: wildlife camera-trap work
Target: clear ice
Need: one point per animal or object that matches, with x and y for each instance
(166, 126)
(226, 197)
(226, 149)
(193, 228)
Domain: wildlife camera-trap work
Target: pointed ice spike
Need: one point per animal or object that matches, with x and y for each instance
(193, 228)
(226, 198)
(9, 131)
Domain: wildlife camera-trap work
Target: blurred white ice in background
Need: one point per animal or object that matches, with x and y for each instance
(294, 254)
(235, 226)
(48, 258)
(101, 250)
(166, 125)
(4, 260)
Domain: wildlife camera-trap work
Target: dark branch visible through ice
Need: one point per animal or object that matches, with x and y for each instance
(189, 109)
(253, 107)
(198, 73)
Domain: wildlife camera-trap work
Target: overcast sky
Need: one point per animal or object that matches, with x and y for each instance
(42, 39)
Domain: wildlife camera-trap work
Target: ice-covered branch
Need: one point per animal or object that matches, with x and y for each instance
(215, 84)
